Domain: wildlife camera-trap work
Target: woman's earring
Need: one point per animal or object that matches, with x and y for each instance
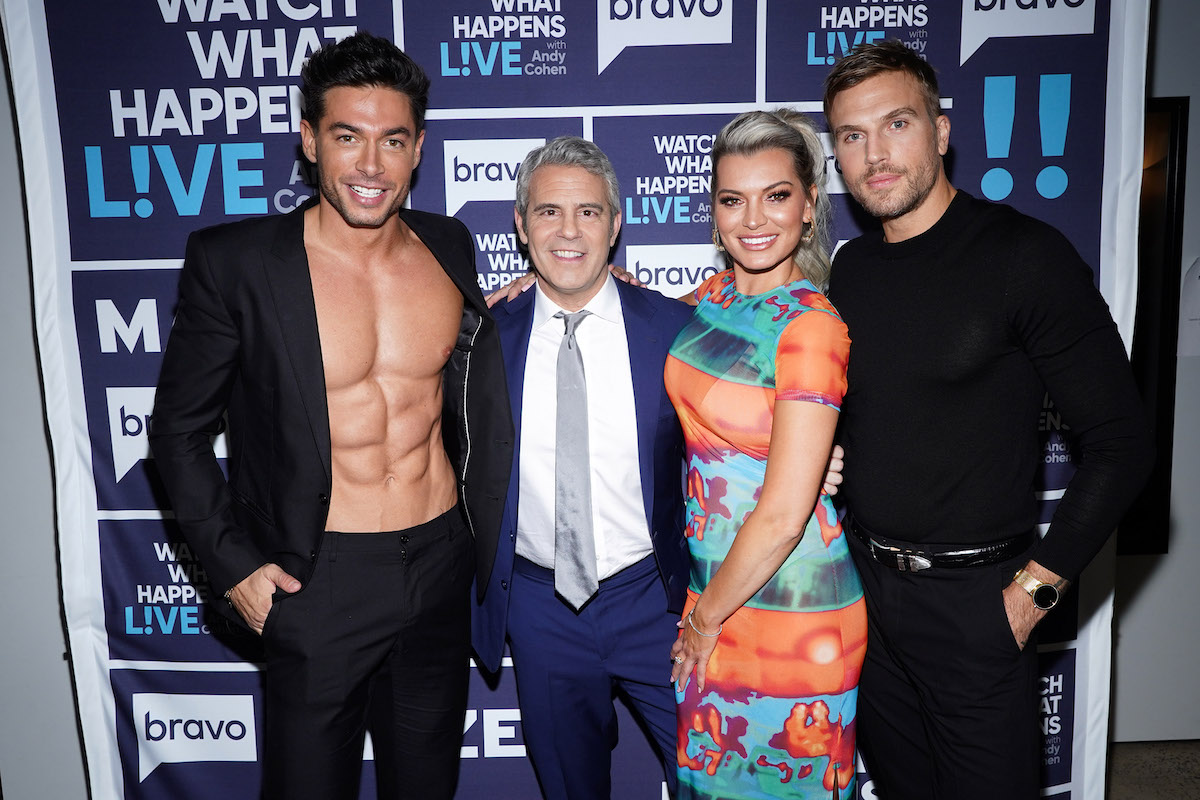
(716, 237)
(811, 234)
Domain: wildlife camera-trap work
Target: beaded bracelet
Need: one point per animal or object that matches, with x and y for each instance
(720, 628)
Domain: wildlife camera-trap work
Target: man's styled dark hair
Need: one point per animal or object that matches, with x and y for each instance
(868, 60)
(358, 61)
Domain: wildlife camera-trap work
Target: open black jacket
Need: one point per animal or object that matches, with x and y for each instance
(245, 344)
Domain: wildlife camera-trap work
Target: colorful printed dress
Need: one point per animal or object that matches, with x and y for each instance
(777, 716)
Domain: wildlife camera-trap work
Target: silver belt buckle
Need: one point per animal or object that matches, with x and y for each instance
(905, 561)
(912, 562)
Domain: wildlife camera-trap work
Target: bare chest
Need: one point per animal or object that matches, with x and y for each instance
(384, 322)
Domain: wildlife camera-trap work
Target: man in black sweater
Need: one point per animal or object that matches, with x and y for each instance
(963, 314)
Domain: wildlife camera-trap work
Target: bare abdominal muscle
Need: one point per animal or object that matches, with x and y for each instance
(387, 330)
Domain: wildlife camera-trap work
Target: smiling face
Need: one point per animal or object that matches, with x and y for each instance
(760, 211)
(365, 148)
(890, 152)
(569, 232)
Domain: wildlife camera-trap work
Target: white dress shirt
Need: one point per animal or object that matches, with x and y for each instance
(618, 512)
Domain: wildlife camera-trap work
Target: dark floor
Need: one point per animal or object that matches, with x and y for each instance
(1154, 771)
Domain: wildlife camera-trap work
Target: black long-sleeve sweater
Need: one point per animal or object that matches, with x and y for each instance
(956, 335)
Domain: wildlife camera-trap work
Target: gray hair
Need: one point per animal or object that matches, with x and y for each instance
(568, 151)
(788, 130)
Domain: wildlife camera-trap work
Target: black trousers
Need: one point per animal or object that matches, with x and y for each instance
(379, 637)
(947, 704)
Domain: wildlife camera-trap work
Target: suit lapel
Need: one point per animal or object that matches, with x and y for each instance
(515, 321)
(286, 266)
(645, 365)
(435, 242)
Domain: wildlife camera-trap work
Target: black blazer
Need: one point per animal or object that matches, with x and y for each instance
(245, 344)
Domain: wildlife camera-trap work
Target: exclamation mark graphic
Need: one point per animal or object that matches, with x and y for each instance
(1054, 110)
(139, 160)
(466, 57)
(999, 105)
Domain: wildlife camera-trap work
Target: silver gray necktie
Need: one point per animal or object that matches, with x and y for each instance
(574, 547)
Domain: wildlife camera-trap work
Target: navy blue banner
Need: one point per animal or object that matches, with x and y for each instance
(537, 53)
(1057, 690)
(122, 321)
(179, 114)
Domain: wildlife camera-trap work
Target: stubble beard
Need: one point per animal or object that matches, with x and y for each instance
(357, 217)
(915, 187)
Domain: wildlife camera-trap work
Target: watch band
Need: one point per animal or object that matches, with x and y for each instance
(1044, 595)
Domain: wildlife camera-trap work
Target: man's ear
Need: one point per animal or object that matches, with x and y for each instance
(616, 228)
(308, 141)
(520, 227)
(417, 148)
(943, 133)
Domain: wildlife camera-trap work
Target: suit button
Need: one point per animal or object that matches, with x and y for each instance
(512, 537)
(323, 499)
(504, 585)
(312, 555)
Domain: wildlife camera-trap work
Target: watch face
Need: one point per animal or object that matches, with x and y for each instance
(1045, 597)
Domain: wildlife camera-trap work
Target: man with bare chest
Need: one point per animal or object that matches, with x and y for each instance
(369, 442)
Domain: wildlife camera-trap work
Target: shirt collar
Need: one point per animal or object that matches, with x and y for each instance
(606, 305)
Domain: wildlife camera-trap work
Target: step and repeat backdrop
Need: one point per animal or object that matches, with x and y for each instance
(140, 122)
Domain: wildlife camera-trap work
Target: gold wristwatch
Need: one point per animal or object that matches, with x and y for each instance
(1045, 595)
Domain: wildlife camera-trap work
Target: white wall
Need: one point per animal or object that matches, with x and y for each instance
(1156, 691)
(40, 752)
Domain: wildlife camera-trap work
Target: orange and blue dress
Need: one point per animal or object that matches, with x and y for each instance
(777, 714)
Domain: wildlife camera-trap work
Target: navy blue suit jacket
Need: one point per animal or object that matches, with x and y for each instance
(651, 323)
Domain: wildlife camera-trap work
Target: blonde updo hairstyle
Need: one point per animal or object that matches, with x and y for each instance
(788, 130)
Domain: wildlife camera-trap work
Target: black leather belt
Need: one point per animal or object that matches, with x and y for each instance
(907, 557)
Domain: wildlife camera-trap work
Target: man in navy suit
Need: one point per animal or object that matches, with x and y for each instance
(569, 662)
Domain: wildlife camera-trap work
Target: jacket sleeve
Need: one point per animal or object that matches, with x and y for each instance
(199, 369)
